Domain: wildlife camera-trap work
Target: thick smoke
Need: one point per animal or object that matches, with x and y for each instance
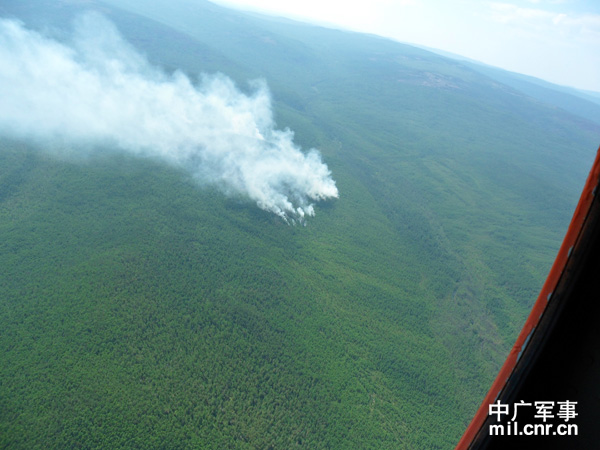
(99, 91)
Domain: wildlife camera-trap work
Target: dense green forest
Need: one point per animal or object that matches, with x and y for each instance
(139, 309)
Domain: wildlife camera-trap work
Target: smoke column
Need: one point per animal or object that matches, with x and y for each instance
(99, 91)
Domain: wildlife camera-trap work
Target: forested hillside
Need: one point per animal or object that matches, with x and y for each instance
(140, 308)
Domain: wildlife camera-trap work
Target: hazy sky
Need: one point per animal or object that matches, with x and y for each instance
(556, 40)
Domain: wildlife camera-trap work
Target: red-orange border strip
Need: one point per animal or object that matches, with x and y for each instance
(575, 227)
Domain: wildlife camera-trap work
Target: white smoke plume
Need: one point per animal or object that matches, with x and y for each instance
(99, 90)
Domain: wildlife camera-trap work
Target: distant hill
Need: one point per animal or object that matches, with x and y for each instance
(140, 309)
(581, 103)
(585, 104)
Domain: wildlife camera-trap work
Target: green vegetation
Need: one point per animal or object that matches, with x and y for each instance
(139, 310)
